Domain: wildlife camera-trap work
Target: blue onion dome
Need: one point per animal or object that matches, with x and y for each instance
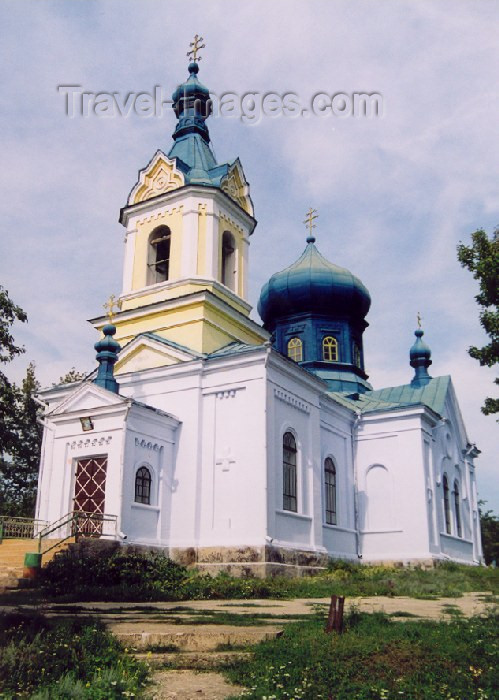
(313, 285)
(192, 105)
(108, 343)
(420, 356)
(420, 353)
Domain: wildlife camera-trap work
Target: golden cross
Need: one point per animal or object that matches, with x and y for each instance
(196, 46)
(309, 221)
(420, 318)
(109, 307)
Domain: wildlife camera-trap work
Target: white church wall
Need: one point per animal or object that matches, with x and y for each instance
(150, 443)
(219, 474)
(393, 521)
(452, 456)
(339, 539)
(293, 406)
(233, 456)
(64, 446)
(175, 390)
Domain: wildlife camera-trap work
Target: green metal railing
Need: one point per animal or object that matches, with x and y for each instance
(75, 524)
(78, 525)
(20, 528)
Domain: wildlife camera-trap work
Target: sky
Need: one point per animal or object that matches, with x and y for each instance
(395, 194)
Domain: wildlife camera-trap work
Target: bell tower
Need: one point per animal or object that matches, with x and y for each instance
(188, 222)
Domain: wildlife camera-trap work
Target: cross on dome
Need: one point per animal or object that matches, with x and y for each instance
(110, 309)
(309, 223)
(196, 47)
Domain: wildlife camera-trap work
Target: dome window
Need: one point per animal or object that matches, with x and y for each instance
(295, 350)
(158, 265)
(330, 351)
(356, 355)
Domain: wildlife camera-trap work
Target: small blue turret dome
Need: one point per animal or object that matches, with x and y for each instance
(192, 106)
(313, 285)
(420, 359)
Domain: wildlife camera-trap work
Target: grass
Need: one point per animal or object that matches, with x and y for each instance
(376, 657)
(52, 659)
(136, 577)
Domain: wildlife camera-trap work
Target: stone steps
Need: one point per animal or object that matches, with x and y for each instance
(195, 660)
(12, 553)
(192, 638)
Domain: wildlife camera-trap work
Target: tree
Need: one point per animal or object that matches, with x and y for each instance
(72, 376)
(482, 259)
(489, 524)
(20, 471)
(9, 313)
(20, 433)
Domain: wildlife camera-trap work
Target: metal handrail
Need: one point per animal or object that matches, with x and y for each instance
(74, 518)
(24, 528)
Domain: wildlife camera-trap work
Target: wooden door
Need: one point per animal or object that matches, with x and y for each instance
(90, 488)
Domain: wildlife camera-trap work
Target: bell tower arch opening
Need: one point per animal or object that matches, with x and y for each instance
(229, 267)
(158, 255)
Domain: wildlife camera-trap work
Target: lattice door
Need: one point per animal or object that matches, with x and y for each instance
(90, 494)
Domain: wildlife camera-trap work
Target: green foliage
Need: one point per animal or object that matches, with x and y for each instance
(46, 659)
(20, 434)
(489, 524)
(19, 466)
(376, 657)
(482, 259)
(70, 377)
(115, 573)
(9, 313)
(131, 575)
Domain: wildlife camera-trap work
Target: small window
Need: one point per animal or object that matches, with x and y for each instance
(158, 265)
(229, 261)
(330, 491)
(330, 349)
(295, 350)
(446, 505)
(457, 509)
(143, 486)
(289, 472)
(356, 355)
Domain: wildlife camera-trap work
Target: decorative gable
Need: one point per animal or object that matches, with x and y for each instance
(235, 185)
(88, 396)
(147, 353)
(159, 176)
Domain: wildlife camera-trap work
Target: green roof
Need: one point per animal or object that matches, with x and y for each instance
(431, 395)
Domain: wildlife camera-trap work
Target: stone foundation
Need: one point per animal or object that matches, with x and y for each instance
(244, 561)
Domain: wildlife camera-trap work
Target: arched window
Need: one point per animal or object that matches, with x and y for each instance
(356, 355)
(457, 510)
(289, 472)
(229, 261)
(445, 484)
(158, 261)
(330, 491)
(143, 486)
(330, 349)
(295, 350)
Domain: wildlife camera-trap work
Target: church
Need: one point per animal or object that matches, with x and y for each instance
(254, 449)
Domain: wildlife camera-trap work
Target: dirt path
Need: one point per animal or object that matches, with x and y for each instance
(191, 685)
